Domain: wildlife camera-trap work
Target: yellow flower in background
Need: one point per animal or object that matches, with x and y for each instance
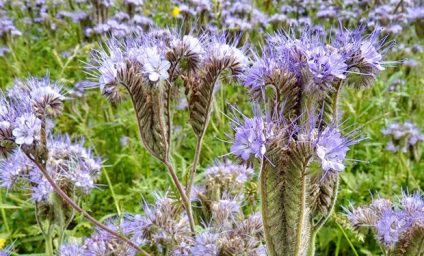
(147, 12)
(175, 11)
(2, 243)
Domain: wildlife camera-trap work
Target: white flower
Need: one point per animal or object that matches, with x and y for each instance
(108, 74)
(40, 94)
(192, 45)
(28, 128)
(227, 50)
(154, 66)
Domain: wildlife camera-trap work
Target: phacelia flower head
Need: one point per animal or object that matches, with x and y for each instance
(331, 149)
(154, 66)
(228, 54)
(71, 250)
(393, 224)
(364, 54)
(250, 138)
(205, 244)
(27, 129)
(404, 137)
(46, 97)
(325, 66)
(7, 251)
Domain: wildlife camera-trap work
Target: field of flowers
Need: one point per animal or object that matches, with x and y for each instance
(211, 127)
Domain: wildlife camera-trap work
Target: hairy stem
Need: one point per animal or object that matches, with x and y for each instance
(184, 197)
(59, 215)
(311, 246)
(39, 222)
(195, 163)
(302, 210)
(420, 247)
(336, 100)
(78, 209)
(49, 241)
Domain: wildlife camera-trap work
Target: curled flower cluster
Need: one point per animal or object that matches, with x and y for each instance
(154, 57)
(31, 155)
(163, 225)
(403, 137)
(251, 138)
(396, 226)
(229, 177)
(72, 166)
(25, 112)
(320, 67)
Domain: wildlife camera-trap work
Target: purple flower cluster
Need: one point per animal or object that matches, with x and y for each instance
(24, 124)
(163, 225)
(71, 166)
(94, 17)
(318, 66)
(25, 111)
(331, 149)
(403, 137)
(152, 56)
(391, 223)
(251, 137)
(100, 243)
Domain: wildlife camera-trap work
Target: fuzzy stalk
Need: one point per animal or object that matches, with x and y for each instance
(336, 100)
(59, 216)
(66, 198)
(184, 197)
(311, 246)
(49, 240)
(195, 163)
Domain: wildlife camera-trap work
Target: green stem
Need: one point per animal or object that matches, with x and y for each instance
(348, 240)
(49, 241)
(60, 214)
(184, 198)
(336, 100)
(195, 163)
(311, 246)
(302, 212)
(112, 191)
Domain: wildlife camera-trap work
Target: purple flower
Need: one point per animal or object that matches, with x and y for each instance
(71, 250)
(7, 251)
(391, 225)
(250, 138)
(331, 149)
(84, 180)
(325, 65)
(205, 244)
(238, 173)
(28, 128)
(403, 137)
(42, 190)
